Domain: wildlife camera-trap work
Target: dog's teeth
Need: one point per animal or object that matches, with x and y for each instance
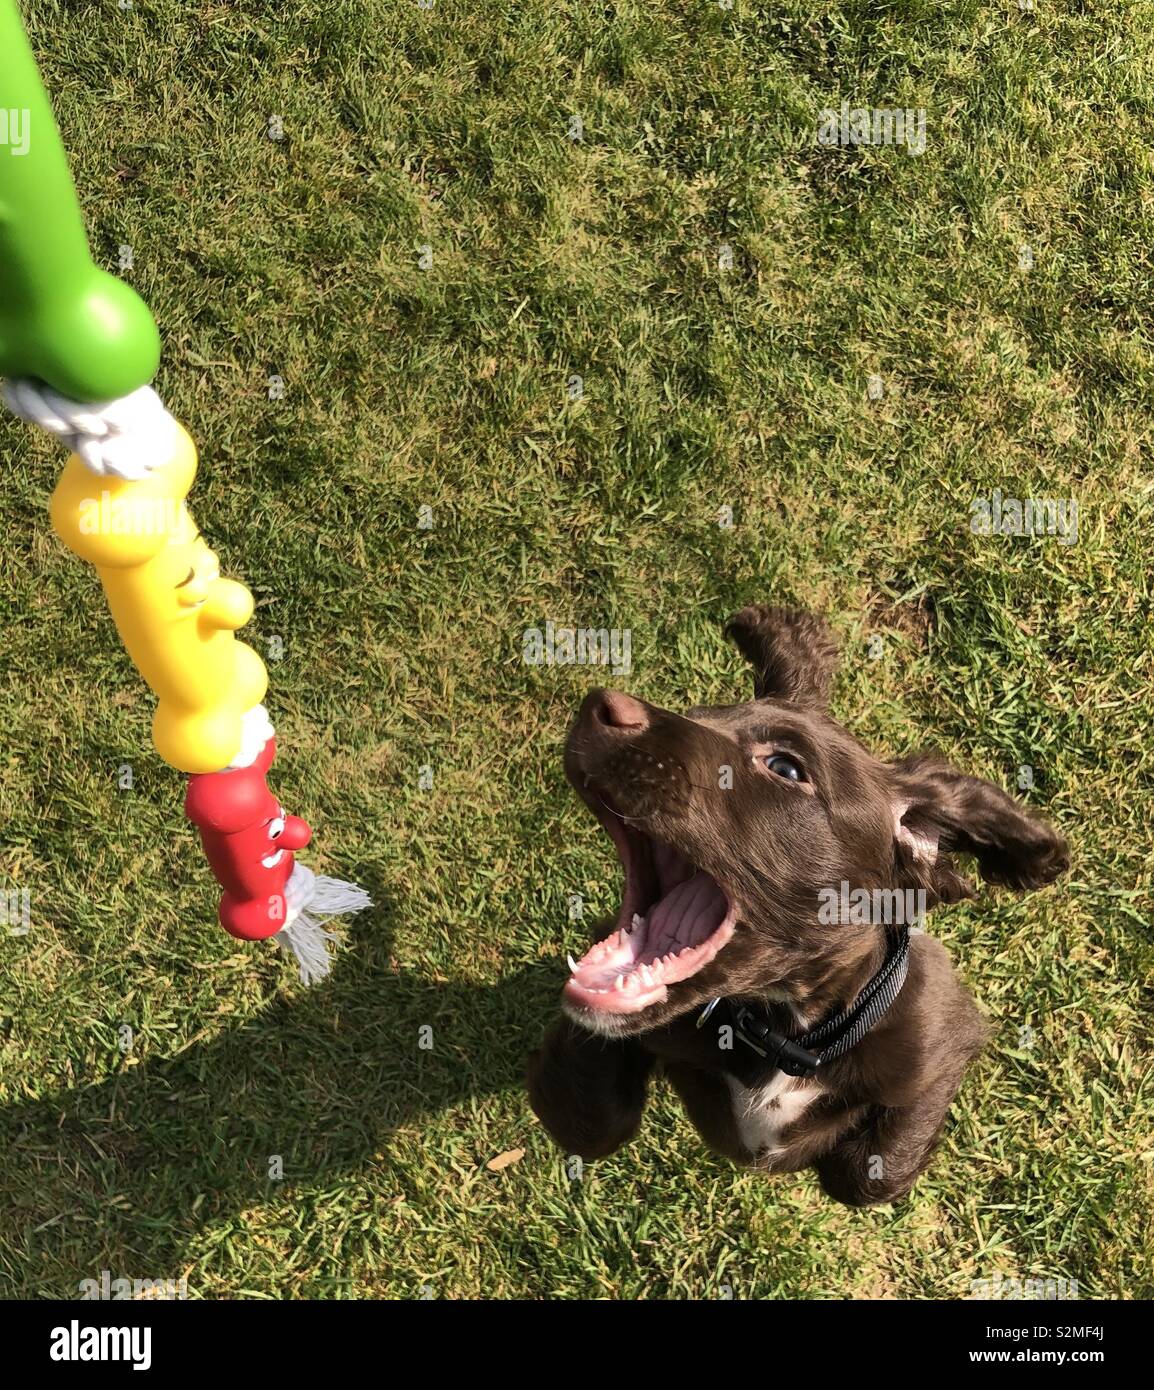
(637, 923)
(572, 965)
(619, 982)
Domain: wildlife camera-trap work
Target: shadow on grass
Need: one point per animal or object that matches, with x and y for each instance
(123, 1175)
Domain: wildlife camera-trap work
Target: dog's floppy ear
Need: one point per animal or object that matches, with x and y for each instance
(792, 653)
(938, 810)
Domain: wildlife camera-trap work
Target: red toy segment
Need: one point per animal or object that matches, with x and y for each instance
(249, 842)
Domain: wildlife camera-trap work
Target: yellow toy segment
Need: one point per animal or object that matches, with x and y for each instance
(176, 616)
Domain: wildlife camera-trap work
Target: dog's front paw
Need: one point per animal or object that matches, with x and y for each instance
(589, 1093)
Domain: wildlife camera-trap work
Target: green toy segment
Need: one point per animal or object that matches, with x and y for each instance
(62, 318)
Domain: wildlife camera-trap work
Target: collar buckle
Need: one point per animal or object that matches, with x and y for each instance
(787, 1056)
(802, 1056)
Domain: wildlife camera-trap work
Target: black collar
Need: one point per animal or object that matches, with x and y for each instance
(802, 1056)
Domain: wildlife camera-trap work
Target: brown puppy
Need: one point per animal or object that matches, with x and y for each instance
(745, 831)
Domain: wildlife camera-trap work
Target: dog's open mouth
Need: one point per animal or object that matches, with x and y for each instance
(674, 919)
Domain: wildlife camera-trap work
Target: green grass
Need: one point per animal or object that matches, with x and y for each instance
(703, 388)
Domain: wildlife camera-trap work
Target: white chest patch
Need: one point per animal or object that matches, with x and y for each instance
(762, 1113)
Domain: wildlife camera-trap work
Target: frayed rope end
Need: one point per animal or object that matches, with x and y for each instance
(315, 900)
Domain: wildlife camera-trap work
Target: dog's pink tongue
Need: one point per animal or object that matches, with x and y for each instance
(686, 916)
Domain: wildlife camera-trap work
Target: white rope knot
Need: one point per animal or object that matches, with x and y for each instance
(123, 438)
(255, 731)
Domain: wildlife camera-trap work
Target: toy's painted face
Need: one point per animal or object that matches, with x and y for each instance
(284, 834)
(261, 854)
(187, 566)
(192, 591)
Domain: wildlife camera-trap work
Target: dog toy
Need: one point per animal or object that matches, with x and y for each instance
(249, 842)
(79, 348)
(176, 616)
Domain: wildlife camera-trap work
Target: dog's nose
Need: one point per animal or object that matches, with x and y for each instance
(618, 711)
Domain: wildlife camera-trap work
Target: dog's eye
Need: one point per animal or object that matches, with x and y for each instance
(784, 766)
